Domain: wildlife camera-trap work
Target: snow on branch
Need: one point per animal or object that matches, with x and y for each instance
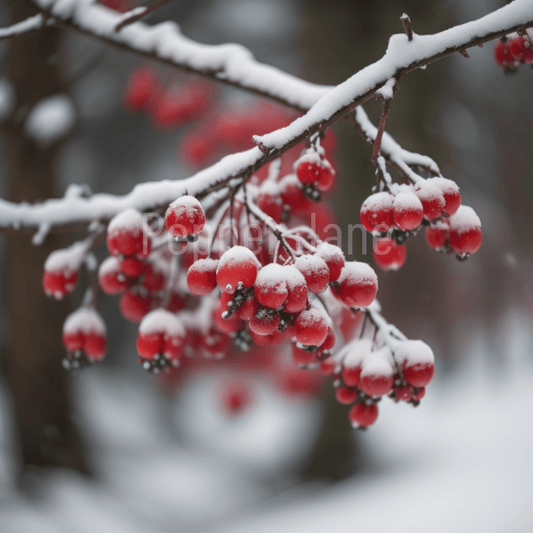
(30, 24)
(235, 65)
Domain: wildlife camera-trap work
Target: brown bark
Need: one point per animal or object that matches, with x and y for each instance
(32, 357)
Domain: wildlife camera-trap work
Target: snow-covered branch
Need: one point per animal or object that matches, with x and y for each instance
(30, 24)
(235, 65)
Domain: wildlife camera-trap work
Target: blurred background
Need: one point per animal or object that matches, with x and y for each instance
(111, 450)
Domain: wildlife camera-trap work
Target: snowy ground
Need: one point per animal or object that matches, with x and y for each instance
(460, 462)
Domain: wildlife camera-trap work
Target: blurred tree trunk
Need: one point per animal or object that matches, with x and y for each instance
(32, 357)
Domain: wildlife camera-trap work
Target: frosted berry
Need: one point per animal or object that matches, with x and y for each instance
(407, 211)
(264, 322)
(329, 341)
(153, 279)
(315, 271)
(416, 361)
(185, 217)
(437, 234)
(334, 259)
(402, 392)
(502, 54)
(292, 195)
(248, 308)
(465, 231)
(272, 205)
(59, 283)
(270, 287)
(388, 254)
(231, 324)
(132, 267)
(450, 192)
(125, 234)
(133, 306)
(311, 327)
(346, 395)
(202, 277)
(363, 415)
(377, 212)
(357, 284)
(521, 49)
(237, 266)
(418, 375)
(110, 276)
(432, 199)
(296, 288)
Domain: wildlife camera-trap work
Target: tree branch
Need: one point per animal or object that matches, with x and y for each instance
(138, 13)
(234, 65)
(29, 25)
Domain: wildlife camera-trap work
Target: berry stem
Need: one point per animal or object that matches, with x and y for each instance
(382, 121)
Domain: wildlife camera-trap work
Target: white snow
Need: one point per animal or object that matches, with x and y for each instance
(464, 219)
(162, 321)
(50, 120)
(67, 259)
(127, 220)
(85, 320)
(31, 23)
(413, 353)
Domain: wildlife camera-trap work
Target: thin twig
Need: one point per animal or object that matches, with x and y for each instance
(382, 121)
(138, 13)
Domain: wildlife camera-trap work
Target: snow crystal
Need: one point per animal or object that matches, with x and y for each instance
(162, 321)
(236, 255)
(272, 276)
(358, 272)
(50, 120)
(67, 259)
(378, 202)
(378, 363)
(356, 351)
(7, 99)
(293, 277)
(413, 352)
(85, 320)
(129, 219)
(407, 201)
(464, 219)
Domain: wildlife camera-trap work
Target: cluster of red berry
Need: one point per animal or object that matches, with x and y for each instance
(167, 106)
(398, 212)
(514, 49)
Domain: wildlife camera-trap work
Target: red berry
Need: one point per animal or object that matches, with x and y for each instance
(437, 234)
(450, 191)
(352, 376)
(248, 308)
(521, 49)
(196, 149)
(402, 392)
(432, 199)
(235, 398)
(85, 330)
(419, 393)
(416, 360)
(271, 205)
(125, 234)
(334, 259)
(185, 216)
(311, 327)
(388, 254)
(377, 212)
(346, 395)
(153, 280)
(73, 341)
(227, 325)
(110, 276)
(59, 283)
(238, 265)
(292, 195)
(329, 341)
(315, 271)
(132, 267)
(407, 211)
(215, 344)
(502, 54)
(375, 384)
(202, 277)
(326, 178)
(363, 415)
(308, 168)
(160, 332)
(264, 322)
(357, 284)
(141, 89)
(270, 287)
(297, 290)
(133, 306)
(465, 231)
